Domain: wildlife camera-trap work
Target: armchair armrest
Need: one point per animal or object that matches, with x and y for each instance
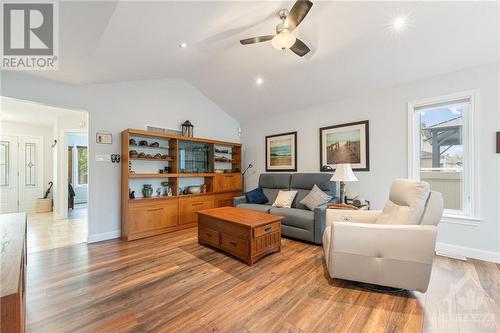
(239, 200)
(319, 223)
(413, 243)
(361, 216)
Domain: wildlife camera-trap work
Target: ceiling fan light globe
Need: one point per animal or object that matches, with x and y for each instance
(284, 40)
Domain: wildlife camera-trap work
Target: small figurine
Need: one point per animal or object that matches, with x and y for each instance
(131, 194)
(158, 191)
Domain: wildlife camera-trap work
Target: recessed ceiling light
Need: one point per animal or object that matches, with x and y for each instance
(259, 81)
(399, 23)
(183, 45)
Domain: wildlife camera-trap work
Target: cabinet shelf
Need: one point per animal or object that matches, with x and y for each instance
(152, 175)
(170, 159)
(133, 147)
(205, 174)
(152, 199)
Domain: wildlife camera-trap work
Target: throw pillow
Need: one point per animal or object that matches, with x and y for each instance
(315, 198)
(256, 196)
(284, 199)
(394, 214)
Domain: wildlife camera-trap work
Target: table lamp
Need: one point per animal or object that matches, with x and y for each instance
(343, 174)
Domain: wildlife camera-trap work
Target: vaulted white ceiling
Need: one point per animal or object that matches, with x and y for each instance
(353, 47)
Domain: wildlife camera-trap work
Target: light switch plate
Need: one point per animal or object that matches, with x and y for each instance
(103, 158)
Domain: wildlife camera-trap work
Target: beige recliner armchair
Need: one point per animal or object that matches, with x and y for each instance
(393, 247)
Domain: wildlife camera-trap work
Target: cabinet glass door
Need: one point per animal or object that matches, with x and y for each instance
(195, 157)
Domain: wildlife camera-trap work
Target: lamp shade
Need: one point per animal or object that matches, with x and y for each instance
(344, 173)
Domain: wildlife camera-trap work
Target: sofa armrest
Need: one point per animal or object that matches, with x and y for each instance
(361, 216)
(413, 243)
(319, 223)
(239, 200)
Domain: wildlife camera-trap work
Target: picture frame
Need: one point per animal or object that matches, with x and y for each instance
(281, 152)
(104, 138)
(345, 143)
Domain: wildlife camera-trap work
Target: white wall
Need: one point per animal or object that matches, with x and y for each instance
(25, 129)
(114, 107)
(387, 112)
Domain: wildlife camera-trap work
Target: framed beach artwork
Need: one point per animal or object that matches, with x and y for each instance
(345, 143)
(281, 152)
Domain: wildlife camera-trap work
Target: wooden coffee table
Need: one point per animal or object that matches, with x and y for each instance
(246, 234)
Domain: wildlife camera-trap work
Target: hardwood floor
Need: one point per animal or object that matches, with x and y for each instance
(169, 283)
(46, 232)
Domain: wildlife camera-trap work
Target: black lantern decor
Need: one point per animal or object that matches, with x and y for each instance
(187, 129)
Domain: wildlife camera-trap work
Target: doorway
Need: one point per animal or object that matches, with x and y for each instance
(34, 177)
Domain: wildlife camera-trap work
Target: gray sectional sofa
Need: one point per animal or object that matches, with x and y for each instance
(300, 222)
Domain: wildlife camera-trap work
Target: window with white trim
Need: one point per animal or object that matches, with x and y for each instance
(82, 171)
(441, 149)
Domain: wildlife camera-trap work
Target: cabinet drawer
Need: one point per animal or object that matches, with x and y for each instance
(233, 245)
(266, 229)
(228, 182)
(209, 235)
(144, 219)
(189, 206)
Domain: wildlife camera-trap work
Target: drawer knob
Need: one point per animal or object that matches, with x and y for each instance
(233, 243)
(209, 235)
(267, 229)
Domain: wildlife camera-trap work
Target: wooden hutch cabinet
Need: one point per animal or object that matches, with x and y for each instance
(171, 178)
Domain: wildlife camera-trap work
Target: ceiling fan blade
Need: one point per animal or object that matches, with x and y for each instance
(254, 40)
(297, 13)
(299, 48)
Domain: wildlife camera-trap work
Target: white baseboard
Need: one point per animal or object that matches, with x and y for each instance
(103, 236)
(469, 252)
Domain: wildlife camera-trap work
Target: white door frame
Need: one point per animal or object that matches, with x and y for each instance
(62, 172)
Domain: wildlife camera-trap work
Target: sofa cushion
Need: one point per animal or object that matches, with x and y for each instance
(256, 196)
(275, 180)
(298, 218)
(256, 207)
(271, 194)
(394, 214)
(304, 182)
(301, 194)
(284, 199)
(315, 198)
(406, 203)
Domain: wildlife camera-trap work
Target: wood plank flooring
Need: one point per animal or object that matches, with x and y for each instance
(169, 283)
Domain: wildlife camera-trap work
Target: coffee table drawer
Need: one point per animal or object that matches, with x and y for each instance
(236, 246)
(266, 229)
(209, 235)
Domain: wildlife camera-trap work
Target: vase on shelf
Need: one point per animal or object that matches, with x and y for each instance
(147, 190)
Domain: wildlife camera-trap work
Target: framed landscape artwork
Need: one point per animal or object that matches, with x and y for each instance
(281, 152)
(346, 143)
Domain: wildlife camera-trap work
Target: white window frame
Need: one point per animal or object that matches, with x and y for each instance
(470, 213)
(74, 172)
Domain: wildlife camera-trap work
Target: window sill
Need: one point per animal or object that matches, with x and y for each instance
(461, 219)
